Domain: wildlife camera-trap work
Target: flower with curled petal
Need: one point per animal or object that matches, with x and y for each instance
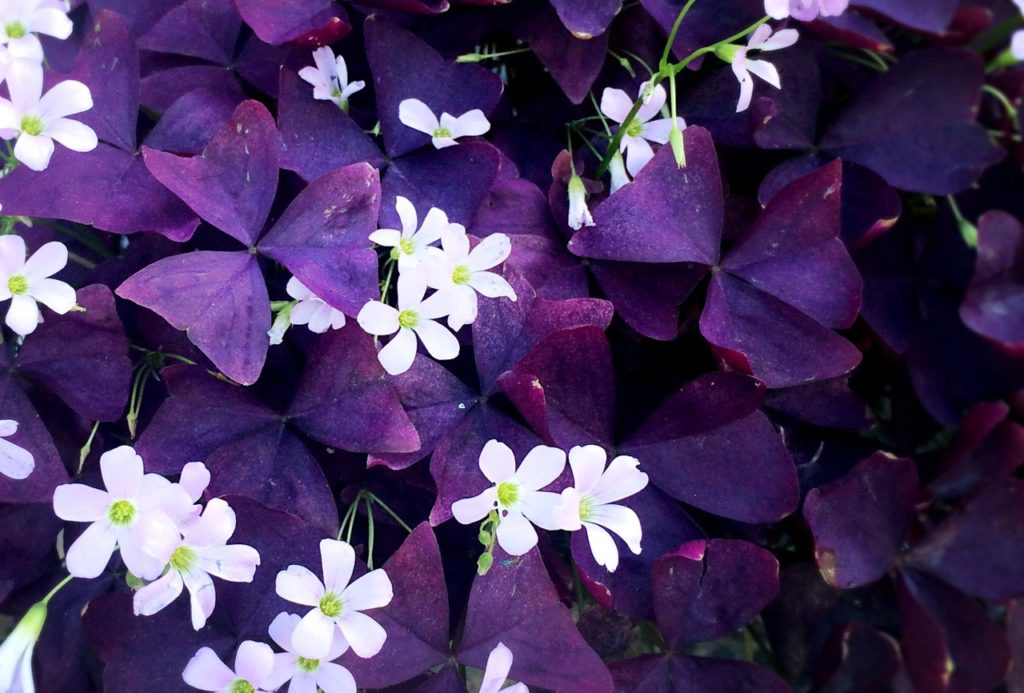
(254, 664)
(643, 128)
(743, 66)
(329, 78)
(337, 604)
(22, 20)
(303, 673)
(446, 130)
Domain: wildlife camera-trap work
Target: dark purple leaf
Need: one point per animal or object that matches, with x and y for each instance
(587, 18)
(109, 65)
(160, 89)
(313, 22)
(189, 124)
(573, 62)
(859, 658)
(994, 304)
(205, 29)
(684, 674)
(927, 15)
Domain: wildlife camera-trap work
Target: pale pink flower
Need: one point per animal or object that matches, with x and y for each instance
(804, 10)
(15, 461)
(443, 131)
(303, 674)
(254, 664)
(27, 282)
(499, 663)
(644, 128)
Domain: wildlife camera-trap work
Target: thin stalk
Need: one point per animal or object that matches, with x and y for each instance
(55, 590)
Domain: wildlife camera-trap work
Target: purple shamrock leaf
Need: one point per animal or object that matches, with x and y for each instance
(994, 304)
(188, 125)
(573, 62)
(313, 22)
(587, 18)
(927, 15)
(205, 29)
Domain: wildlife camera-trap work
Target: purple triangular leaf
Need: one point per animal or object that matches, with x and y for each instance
(994, 304)
(189, 124)
(32, 436)
(205, 29)
(587, 18)
(109, 64)
(316, 22)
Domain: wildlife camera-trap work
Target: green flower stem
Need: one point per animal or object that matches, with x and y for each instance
(84, 452)
(55, 590)
(479, 57)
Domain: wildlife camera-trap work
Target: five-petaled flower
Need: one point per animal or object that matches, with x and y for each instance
(337, 604)
(201, 552)
(312, 310)
(804, 10)
(499, 663)
(412, 244)
(593, 496)
(307, 674)
(517, 496)
(329, 78)
(253, 672)
(642, 130)
(459, 274)
(37, 119)
(446, 130)
(27, 281)
(414, 318)
(139, 513)
(21, 20)
(15, 461)
(743, 66)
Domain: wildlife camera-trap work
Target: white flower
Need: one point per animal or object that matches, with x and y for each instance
(617, 170)
(641, 130)
(592, 497)
(16, 652)
(743, 67)
(21, 20)
(27, 281)
(804, 10)
(414, 318)
(201, 552)
(337, 605)
(412, 245)
(312, 310)
(15, 461)
(499, 662)
(137, 512)
(459, 274)
(330, 78)
(254, 664)
(444, 131)
(37, 120)
(579, 213)
(517, 497)
(306, 674)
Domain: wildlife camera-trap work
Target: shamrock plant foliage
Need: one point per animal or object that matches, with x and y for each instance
(479, 347)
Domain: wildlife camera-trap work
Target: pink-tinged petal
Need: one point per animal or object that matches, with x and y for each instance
(411, 289)
(587, 463)
(515, 534)
(234, 563)
(417, 115)
(334, 678)
(8, 427)
(66, 98)
(615, 104)
(407, 215)
(638, 154)
(499, 663)
(195, 477)
(15, 462)
(78, 137)
(438, 339)
(323, 57)
(739, 68)
(765, 71)
(122, 472)
(540, 467)
(254, 662)
(214, 527)
(34, 151)
(202, 597)
(285, 668)
(397, 355)
(281, 629)
(51, 258)
(389, 238)
(80, 503)
(302, 683)
(320, 320)
(470, 510)
(497, 461)
(298, 584)
(312, 637)
(620, 520)
(491, 252)
(365, 636)
(434, 225)
(338, 559)
(52, 22)
(25, 84)
(148, 544)
(371, 591)
(12, 256)
(653, 106)
(621, 480)
(54, 294)
(162, 497)
(470, 124)
(303, 313)
(443, 142)
(437, 305)
(313, 78)
(776, 9)
(550, 511)
(378, 318)
(759, 36)
(10, 121)
(157, 595)
(1017, 45)
(606, 553)
(90, 553)
(297, 290)
(22, 315)
(207, 672)
(658, 130)
(781, 39)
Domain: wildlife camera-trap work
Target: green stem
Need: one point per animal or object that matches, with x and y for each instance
(672, 35)
(478, 57)
(1004, 100)
(55, 590)
(389, 511)
(84, 452)
(369, 531)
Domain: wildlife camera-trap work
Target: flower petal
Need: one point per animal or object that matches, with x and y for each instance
(492, 285)
(407, 214)
(254, 662)
(490, 252)
(371, 591)
(653, 105)
(615, 104)
(540, 467)
(365, 636)
(765, 71)
(281, 628)
(516, 535)
(470, 510)
(52, 22)
(659, 130)
(312, 637)
(603, 547)
(621, 480)
(378, 318)
(15, 461)
(34, 151)
(121, 469)
(638, 154)
(195, 477)
(298, 584)
(12, 256)
(65, 98)
(438, 339)
(202, 597)
(78, 137)
(389, 238)
(90, 553)
(621, 520)
(207, 672)
(550, 511)
(418, 116)
(434, 225)
(499, 663)
(54, 294)
(234, 563)
(214, 527)
(338, 559)
(587, 463)
(80, 503)
(334, 678)
(497, 461)
(470, 124)
(51, 258)
(22, 315)
(397, 355)
(157, 595)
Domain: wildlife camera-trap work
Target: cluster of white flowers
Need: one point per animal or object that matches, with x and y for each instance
(32, 118)
(456, 273)
(516, 501)
(329, 78)
(804, 10)
(164, 537)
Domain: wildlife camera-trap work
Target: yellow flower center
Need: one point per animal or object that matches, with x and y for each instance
(32, 125)
(635, 129)
(15, 30)
(406, 246)
(17, 284)
(331, 605)
(183, 558)
(121, 513)
(408, 319)
(586, 508)
(508, 493)
(461, 274)
(308, 666)
(442, 132)
(241, 686)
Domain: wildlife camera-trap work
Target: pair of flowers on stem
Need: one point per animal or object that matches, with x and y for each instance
(516, 501)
